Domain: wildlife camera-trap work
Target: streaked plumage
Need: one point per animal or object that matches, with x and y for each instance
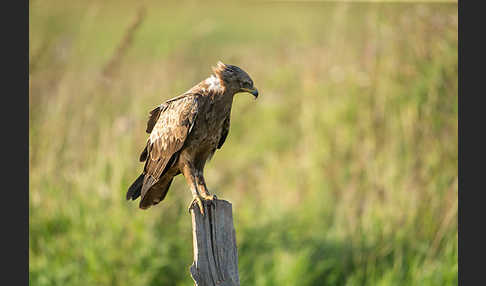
(185, 131)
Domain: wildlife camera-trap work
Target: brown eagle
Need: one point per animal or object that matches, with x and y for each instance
(185, 131)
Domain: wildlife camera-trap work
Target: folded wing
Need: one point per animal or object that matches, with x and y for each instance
(169, 125)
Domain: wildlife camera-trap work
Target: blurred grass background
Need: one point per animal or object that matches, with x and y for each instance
(343, 172)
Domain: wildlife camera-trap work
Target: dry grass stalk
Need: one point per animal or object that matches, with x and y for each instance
(109, 71)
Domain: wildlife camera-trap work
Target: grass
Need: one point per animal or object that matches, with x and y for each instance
(343, 172)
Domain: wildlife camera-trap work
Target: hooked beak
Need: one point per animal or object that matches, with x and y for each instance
(253, 91)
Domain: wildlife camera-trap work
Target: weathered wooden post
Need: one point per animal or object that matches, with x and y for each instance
(214, 241)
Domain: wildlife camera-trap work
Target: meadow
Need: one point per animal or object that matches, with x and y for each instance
(342, 172)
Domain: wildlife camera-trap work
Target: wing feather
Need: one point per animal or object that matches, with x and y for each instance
(224, 132)
(153, 117)
(174, 121)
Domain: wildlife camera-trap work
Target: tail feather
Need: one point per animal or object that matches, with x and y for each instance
(136, 188)
(156, 193)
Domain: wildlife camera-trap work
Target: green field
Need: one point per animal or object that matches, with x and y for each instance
(343, 172)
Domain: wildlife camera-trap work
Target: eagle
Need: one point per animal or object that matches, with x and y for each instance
(185, 131)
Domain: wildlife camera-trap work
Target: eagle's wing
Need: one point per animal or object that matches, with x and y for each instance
(174, 122)
(224, 132)
(153, 117)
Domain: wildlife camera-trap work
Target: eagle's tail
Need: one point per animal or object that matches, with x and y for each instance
(136, 188)
(156, 193)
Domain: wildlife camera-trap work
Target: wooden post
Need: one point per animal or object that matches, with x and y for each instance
(214, 241)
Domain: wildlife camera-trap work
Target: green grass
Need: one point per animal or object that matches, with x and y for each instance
(343, 172)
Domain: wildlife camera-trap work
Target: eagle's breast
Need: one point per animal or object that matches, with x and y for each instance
(208, 127)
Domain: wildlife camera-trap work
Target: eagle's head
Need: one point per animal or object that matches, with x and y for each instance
(235, 79)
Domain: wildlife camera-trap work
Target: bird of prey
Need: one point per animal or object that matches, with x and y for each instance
(185, 131)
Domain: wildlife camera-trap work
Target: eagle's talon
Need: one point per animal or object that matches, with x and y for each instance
(197, 200)
(210, 197)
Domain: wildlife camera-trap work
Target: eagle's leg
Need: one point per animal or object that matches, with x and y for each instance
(188, 173)
(202, 188)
